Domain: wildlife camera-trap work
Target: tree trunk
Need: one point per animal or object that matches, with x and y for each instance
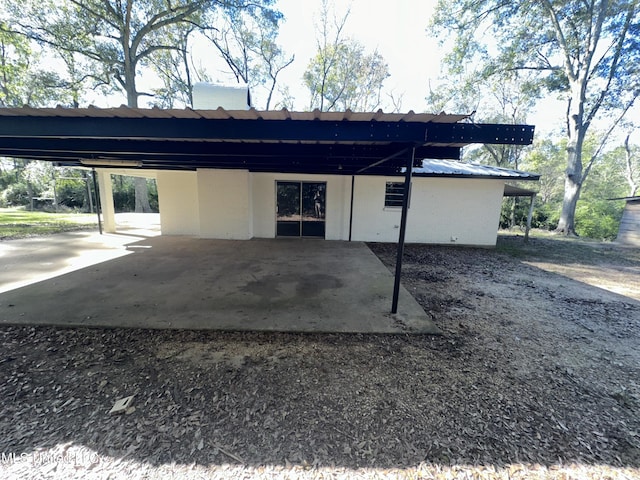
(512, 213)
(55, 192)
(576, 131)
(572, 188)
(30, 193)
(142, 195)
(140, 184)
(88, 197)
(633, 186)
(566, 224)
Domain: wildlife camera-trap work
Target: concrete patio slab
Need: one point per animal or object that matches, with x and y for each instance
(289, 285)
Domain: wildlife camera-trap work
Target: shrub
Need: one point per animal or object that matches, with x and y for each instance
(16, 194)
(598, 219)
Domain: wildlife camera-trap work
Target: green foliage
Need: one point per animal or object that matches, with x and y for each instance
(39, 184)
(124, 198)
(545, 216)
(72, 193)
(40, 176)
(598, 219)
(596, 215)
(547, 158)
(514, 212)
(16, 194)
(23, 81)
(7, 177)
(344, 76)
(176, 70)
(552, 38)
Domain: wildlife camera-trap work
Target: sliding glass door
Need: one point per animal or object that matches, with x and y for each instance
(300, 209)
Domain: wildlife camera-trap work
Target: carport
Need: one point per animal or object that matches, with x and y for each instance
(339, 143)
(156, 281)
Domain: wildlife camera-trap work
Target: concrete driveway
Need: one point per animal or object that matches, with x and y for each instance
(150, 281)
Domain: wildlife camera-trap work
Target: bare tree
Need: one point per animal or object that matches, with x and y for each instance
(342, 75)
(247, 41)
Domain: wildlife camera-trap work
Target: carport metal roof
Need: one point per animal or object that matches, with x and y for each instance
(299, 142)
(344, 143)
(513, 191)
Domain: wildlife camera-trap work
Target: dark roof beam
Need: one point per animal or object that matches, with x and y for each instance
(211, 129)
(264, 130)
(468, 133)
(142, 148)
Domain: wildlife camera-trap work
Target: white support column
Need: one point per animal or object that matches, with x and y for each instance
(106, 201)
(529, 217)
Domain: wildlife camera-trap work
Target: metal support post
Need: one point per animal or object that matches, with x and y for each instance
(97, 197)
(353, 181)
(403, 229)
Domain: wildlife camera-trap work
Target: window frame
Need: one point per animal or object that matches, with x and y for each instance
(391, 198)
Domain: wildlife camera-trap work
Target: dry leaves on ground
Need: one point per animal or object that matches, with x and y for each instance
(536, 376)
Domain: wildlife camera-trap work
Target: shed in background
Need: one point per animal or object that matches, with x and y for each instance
(629, 230)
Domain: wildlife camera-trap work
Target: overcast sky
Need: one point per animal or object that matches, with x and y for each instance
(396, 29)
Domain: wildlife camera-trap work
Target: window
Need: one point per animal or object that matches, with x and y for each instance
(394, 194)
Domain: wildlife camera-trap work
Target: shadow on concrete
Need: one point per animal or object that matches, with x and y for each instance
(184, 282)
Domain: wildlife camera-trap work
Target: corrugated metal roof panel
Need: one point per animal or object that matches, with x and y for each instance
(220, 113)
(452, 168)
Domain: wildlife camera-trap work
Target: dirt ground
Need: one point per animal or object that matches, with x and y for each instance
(537, 375)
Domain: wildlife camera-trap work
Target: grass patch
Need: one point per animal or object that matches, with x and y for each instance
(560, 249)
(18, 223)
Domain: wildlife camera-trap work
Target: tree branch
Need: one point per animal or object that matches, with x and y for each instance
(96, 14)
(613, 68)
(606, 136)
(569, 68)
(154, 48)
(165, 18)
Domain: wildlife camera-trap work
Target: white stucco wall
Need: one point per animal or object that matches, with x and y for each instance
(236, 204)
(337, 203)
(178, 203)
(225, 204)
(442, 211)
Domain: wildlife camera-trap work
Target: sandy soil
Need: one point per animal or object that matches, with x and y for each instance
(537, 375)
